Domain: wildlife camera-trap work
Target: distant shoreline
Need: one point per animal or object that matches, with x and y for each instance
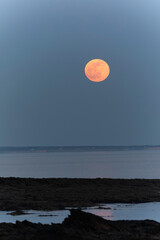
(77, 148)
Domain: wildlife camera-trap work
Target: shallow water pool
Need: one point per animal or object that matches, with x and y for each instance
(118, 211)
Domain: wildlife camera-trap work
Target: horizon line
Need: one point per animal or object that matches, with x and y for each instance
(78, 146)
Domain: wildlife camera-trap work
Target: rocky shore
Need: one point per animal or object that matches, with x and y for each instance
(18, 194)
(52, 194)
(82, 226)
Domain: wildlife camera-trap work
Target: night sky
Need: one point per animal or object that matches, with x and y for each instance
(45, 97)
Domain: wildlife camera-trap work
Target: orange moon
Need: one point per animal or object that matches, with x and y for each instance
(97, 70)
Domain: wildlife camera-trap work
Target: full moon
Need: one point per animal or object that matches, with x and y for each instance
(97, 70)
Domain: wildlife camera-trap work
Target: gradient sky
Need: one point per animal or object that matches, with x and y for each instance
(45, 98)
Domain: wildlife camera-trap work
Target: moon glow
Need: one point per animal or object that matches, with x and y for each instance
(97, 70)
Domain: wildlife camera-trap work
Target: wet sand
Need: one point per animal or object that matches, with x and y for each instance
(52, 194)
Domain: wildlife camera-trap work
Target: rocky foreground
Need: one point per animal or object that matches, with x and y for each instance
(52, 194)
(20, 194)
(82, 226)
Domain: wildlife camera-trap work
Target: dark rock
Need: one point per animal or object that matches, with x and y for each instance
(18, 212)
(106, 208)
(47, 215)
(53, 194)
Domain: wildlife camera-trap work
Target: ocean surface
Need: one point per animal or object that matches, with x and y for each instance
(82, 164)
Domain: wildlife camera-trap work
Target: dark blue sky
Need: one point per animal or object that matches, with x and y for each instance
(45, 98)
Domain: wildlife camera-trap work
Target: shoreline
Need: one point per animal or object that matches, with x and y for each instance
(59, 193)
(18, 194)
(82, 226)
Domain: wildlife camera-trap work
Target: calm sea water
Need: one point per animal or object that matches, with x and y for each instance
(106, 164)
(120, 211)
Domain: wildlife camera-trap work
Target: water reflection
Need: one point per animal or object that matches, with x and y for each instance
(103, 211)
(140, 211)
(44, 217)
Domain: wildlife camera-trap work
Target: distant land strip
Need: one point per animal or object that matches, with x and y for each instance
(77, 148)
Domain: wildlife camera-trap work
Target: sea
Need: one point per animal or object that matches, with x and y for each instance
(81, 162)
